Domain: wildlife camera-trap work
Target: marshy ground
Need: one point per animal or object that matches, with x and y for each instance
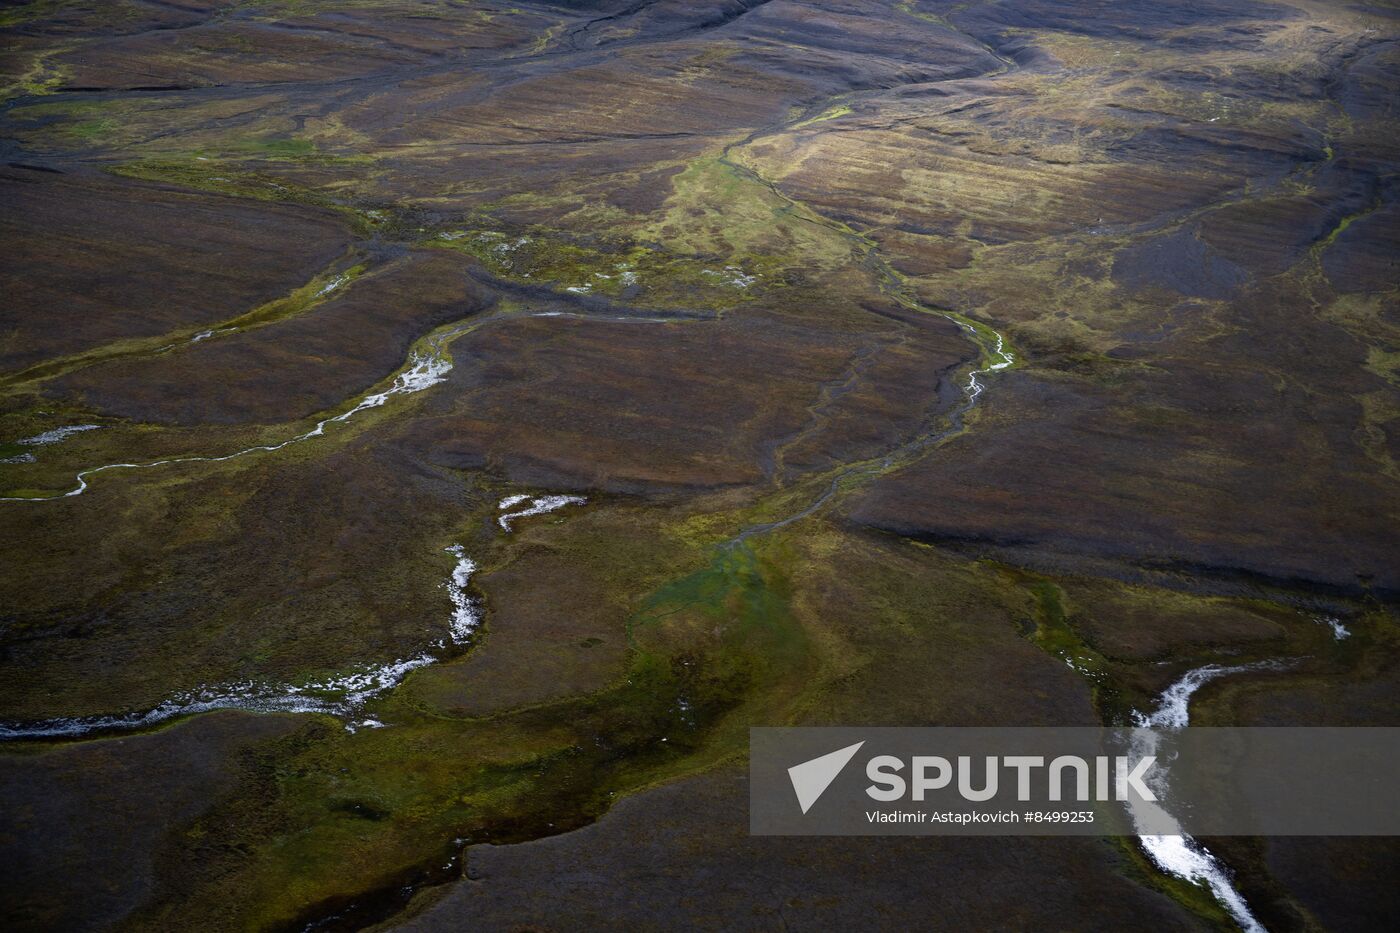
(987, 363)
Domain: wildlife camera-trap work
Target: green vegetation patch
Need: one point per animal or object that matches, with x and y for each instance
(335, 815)
(614, 266)
(203, 173)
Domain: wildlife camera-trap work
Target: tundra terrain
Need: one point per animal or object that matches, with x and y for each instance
(433, 433)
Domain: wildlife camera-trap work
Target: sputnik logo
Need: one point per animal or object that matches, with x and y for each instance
(811, 778)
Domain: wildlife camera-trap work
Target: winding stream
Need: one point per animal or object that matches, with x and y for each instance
(423, 372)
(1181, 855)
(466, 611)
(342, 695)
(424, 369)
(346, 695)
(539, 505)
(994, 358)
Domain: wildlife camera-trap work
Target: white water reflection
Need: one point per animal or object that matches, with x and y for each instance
(538, 506)
(1339, 631)
(56, 435)
(466, 611)
(1179, 854)
(423, 371)
(342, 695)
(332, 285)
(998, 358)
(43, 440)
